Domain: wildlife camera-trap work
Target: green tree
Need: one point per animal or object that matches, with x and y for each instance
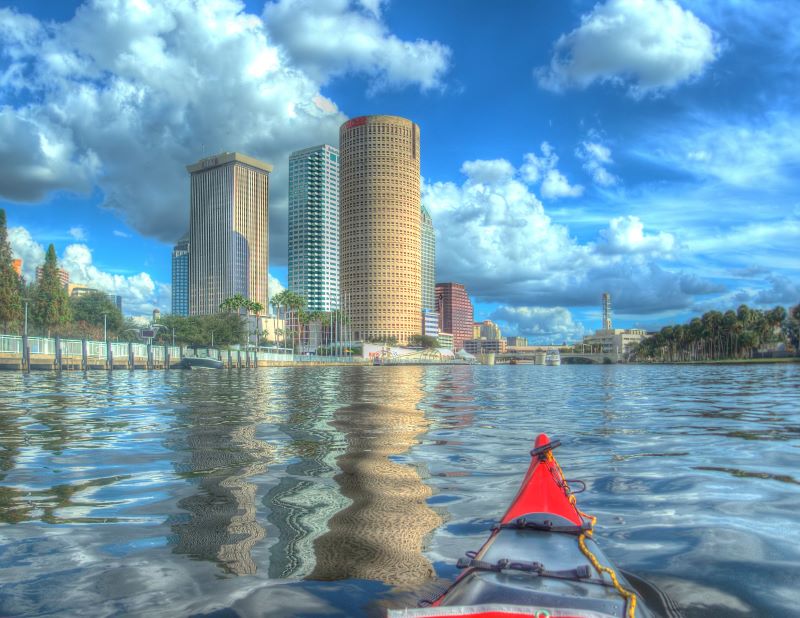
(89, 309)
(718, 335)
(10, 298)
(423, 341)
(234, 303)
(791, 327)
(195, 331)
(50, 302)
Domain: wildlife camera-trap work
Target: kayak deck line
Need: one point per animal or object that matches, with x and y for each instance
(629, 595)
(507, 576)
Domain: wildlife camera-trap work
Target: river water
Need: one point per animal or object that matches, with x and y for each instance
(341, 491)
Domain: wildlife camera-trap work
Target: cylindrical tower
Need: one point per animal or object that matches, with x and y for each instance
(380, 228)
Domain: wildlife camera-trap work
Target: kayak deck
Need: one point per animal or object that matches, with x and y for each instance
(556, 552)
(540, 560)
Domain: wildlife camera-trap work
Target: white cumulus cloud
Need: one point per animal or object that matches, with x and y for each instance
(38, 155)
(650, 45)
(77, 233)
(140, 293)
(488, 172)
(274, 286)
(543, 168)
(741, 152)
(596, 157)
(24, 247)
(626, 235)
(326, 38)
(125, 94)
(553, 325)
(494, 236)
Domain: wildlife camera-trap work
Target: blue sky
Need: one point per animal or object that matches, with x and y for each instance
(647, 148)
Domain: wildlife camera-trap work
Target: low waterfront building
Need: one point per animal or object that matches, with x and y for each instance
(271, 328)
(75, 290)
(485, 346)
(612, 340)
(515, 341)
(445, 340)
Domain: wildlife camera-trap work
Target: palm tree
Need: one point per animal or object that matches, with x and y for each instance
(234, 303)
(256, 308)
(294, 303)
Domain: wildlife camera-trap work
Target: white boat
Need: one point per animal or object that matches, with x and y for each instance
(552, 358)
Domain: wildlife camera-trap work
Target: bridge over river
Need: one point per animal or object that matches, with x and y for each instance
(567, 358)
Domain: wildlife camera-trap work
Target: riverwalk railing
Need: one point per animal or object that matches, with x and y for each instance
(25, 353)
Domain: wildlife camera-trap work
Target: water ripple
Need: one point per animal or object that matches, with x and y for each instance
(341, 491)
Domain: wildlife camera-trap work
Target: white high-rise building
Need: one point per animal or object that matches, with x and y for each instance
(428, 261)
(314, 226)
(228, 231)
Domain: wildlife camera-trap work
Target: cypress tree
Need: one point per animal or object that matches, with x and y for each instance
(10, 298)
(50, 302)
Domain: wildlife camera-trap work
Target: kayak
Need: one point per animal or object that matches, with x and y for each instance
(539, 561)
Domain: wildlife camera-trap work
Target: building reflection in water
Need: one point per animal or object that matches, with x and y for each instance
(303, 500)
(223, 452)
(380, 535)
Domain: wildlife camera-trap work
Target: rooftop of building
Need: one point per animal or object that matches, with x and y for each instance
(362, 120)
(310, 149)
(224, 158)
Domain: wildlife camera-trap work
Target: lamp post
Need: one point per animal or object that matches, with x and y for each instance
(105, 327)
(25, 330)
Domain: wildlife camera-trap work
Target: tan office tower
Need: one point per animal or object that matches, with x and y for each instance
(228, 231)
(380, 267)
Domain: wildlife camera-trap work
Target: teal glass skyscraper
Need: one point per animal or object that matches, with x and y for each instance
(180, 277)
(314, 226)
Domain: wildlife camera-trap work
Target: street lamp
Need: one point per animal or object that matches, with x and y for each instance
(25, 331)
(105, 327)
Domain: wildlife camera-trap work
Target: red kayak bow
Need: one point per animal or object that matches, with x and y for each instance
(544, 489)
(539, 561)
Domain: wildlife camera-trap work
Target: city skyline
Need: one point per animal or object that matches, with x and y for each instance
(549, 178)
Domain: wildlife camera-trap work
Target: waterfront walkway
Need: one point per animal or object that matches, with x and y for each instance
(20, 353)
(42, 353)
